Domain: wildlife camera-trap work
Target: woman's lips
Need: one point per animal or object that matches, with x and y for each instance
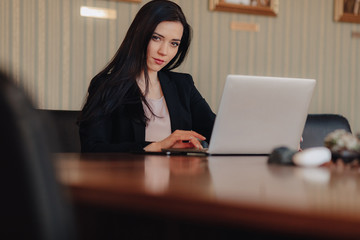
(158, 61)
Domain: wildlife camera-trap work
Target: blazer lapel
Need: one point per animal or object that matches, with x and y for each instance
(171, 98)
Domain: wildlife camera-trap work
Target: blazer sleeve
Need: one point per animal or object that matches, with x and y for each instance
(97, 136)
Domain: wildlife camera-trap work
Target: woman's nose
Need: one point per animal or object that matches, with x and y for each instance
(163, 49)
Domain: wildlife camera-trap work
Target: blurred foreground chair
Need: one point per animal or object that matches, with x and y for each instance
(317, 126)
(64, 122)
(33, 204)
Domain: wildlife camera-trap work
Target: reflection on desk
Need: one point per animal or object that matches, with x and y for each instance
(242, 192)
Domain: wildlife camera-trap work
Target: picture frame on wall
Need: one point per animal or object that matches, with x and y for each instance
(258, 7)
(347, 11)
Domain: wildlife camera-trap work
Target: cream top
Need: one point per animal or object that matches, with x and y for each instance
(159, 126)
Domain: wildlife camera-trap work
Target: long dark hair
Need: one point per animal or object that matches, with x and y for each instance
(116, 84)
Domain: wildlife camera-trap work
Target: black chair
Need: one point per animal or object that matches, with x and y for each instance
(317, 126)
(64, 121)
(33, 204)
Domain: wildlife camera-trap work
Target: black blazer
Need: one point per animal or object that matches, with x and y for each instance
(188, 110)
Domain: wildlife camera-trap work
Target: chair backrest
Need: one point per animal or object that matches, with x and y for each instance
(33, 204)
(317, 126)
(64, 121)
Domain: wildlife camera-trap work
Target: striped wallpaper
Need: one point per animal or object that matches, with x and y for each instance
(53, 52)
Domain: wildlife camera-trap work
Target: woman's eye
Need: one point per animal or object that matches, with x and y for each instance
(175, 44)
(155, 37)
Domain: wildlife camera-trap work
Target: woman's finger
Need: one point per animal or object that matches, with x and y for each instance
(196, 143)
(197, 135)
(183, 139)
(186, 135)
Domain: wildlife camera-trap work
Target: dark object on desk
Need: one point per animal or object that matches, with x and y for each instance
(33, 205)
(64, 122)
(318, 126)
(345, 156)
(282, 155)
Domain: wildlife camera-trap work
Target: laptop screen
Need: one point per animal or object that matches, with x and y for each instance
(257, 114)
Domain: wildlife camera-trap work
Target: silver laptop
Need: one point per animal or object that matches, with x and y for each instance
(257, 114)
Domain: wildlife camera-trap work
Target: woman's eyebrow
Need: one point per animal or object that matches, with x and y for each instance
(175, 39)
(159, 34)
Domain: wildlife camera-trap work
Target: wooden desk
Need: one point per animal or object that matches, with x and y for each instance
(242, 192)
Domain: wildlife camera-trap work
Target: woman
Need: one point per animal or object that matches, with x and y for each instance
(136, 102)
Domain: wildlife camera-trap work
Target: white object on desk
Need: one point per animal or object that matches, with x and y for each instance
(312, 157)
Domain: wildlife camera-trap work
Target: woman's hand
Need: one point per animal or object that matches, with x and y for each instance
(178, 139)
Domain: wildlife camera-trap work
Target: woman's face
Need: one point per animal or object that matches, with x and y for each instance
(163, 45)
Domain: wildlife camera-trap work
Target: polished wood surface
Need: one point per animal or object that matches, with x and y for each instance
(235, 191)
